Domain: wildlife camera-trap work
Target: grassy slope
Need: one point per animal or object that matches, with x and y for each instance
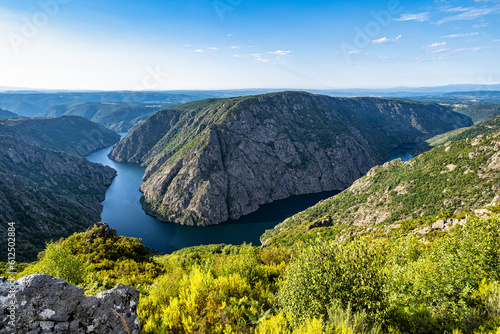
(460, 176)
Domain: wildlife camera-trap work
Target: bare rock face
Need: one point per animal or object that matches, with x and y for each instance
(48, 305)
(215, 160)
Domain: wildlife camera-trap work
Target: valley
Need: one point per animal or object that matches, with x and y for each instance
(219, 159)
(250, 167)
(378, 200)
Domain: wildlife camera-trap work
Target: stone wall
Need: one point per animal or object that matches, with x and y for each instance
(45, 304)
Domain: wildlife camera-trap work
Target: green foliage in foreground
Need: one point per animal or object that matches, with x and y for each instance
(365, 283)
(97, 262)
(59, 262)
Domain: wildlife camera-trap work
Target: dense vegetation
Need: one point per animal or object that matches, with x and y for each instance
(478, 112)
(411, 247)
(409, 277)
(396, 282)
(44, 188)
(117, 116)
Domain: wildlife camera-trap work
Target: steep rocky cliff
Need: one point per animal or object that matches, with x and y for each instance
(48, 194)
(217, 159)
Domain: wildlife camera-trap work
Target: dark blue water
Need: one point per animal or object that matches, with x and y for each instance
(123, 211)
(403, 152)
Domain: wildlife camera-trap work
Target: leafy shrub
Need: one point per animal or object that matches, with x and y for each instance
(58, 262)
(330, 272)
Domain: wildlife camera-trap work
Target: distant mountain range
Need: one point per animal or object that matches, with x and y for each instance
(29, 102)
(117, 116)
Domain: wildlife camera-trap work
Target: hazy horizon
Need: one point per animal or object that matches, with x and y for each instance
(238, 44)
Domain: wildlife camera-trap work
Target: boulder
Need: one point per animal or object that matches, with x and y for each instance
(438, 225)
(44, 304)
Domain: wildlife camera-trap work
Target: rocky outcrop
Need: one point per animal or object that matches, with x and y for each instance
(47, 194)
(219, 159)
(325, 222)
(43, 304)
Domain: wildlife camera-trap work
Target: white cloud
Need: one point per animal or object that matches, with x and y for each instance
(475, 49)
(470, 49)
(461, 35)
(480, 25)
(424, 60)
(434, 45)
(420, 17)
(264, 60)
(441, 50)
(281, 53)
(199, 51)
(234, 47)
(277, 59)
(386, 40)
(213, 48)
(469, 13)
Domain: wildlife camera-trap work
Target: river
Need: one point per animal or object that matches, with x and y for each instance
(123, 211)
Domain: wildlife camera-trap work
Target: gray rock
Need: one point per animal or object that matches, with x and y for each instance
(438, 225)
(48, 305)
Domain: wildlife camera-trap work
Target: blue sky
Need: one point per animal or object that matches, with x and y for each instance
(225, 44)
